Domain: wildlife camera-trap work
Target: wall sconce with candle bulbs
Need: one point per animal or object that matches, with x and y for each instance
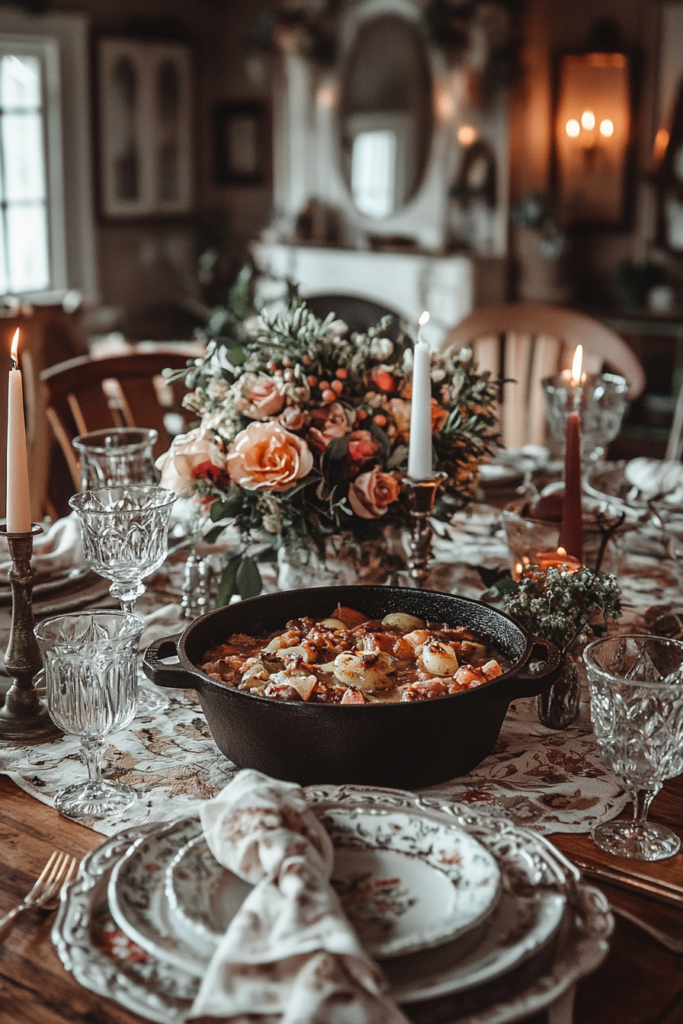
(592, 137)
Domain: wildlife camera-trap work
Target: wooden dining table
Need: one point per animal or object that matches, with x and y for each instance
(640, 982)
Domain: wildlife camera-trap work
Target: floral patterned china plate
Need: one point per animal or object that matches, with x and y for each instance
(104, 959)
(137, 897)
(406, 882)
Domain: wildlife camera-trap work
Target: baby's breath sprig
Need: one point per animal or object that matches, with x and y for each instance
(561, 606)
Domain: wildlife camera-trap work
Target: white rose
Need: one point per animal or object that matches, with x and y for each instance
(192, 456)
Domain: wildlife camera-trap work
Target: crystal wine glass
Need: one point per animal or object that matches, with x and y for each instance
(636, 687)
(116, 457)
(125, 539)
(91, 676)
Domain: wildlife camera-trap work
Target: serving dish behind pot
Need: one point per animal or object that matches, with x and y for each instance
(407, 745)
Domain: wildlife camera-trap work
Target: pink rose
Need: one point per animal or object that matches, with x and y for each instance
(362, 446)
(292, 418)
(191, 456)
(371, 493)
(266, 457)
(328, 422)
(261, 396)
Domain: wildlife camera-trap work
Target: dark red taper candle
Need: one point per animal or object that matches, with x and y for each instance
(571, 531)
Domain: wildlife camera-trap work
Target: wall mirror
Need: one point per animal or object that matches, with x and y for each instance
(385, 115)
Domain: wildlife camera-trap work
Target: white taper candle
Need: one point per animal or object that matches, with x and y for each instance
(420, 448)
(18, 499)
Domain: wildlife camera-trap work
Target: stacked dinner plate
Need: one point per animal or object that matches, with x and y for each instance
(467, 915)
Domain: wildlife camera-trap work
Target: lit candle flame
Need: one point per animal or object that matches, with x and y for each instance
(561, 552)
(15, 349)
(423, 318)
(577, 365)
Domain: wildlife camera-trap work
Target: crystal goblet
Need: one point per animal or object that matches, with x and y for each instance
(636, 688)
(125, 539)
(116, 457)
(91, 678)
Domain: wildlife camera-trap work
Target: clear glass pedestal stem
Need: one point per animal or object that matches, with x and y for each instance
(638, 839)
(98, 797)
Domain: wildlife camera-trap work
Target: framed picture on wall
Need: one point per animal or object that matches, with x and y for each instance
(240, 143)
(145, 128)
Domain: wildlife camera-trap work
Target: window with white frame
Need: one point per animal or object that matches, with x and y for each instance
(24, 231)
(46, 232)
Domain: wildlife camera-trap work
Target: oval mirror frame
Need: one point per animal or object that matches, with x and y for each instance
(385, 116)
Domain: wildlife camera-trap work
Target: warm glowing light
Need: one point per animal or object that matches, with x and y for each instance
(577, 365)
(588, 120)
(424, 318)
(607, 128)
(660, 144)
(572, 128)
(561, 551)
(15, 348)
(445, 107)
(326, 97)
(467, 134)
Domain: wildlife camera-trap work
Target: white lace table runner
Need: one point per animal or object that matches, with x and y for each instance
(553, 781)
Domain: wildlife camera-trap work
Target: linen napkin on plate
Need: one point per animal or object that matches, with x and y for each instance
(55, 550)
(290, 955)
(655, 479)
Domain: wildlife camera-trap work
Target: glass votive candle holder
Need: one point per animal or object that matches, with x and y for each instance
(600, 402)
(537, 541)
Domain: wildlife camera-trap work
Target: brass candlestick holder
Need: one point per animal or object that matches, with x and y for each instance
(23, 717)
(421, 497)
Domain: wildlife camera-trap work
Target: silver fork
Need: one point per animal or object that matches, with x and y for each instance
(60, 869)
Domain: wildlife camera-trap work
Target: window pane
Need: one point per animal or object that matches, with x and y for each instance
(373, 170)
(4, 283)
(22, 150)
(27, 245)
(20, 83)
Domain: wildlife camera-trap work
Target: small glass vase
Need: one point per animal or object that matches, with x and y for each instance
(346, 563)
(558, 706)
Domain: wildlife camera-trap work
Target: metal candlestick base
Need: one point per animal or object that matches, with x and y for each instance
(23, 717)
(421, 497)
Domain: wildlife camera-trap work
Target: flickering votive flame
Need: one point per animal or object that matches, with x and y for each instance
(424, 318)
(577, 365)
(15, 349)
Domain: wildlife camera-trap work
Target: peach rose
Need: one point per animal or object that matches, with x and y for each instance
(362, 446)
(261, 396)
(266, 457)
(292, 418)
(371, 493)
(191, 456)
(329, 422)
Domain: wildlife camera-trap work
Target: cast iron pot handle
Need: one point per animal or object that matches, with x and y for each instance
(165, 675)
(531, 683)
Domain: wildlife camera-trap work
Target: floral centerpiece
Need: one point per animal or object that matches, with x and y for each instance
(304, 433)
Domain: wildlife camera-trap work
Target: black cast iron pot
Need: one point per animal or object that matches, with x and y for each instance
(407, 745)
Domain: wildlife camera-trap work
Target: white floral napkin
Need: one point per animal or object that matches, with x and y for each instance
(655, 478)
(57, 549)
(290, 955)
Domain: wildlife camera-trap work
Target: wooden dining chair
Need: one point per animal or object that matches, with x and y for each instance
(128, 390)
(526, 342)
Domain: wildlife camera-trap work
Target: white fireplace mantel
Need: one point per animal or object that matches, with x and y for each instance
(405, 282)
